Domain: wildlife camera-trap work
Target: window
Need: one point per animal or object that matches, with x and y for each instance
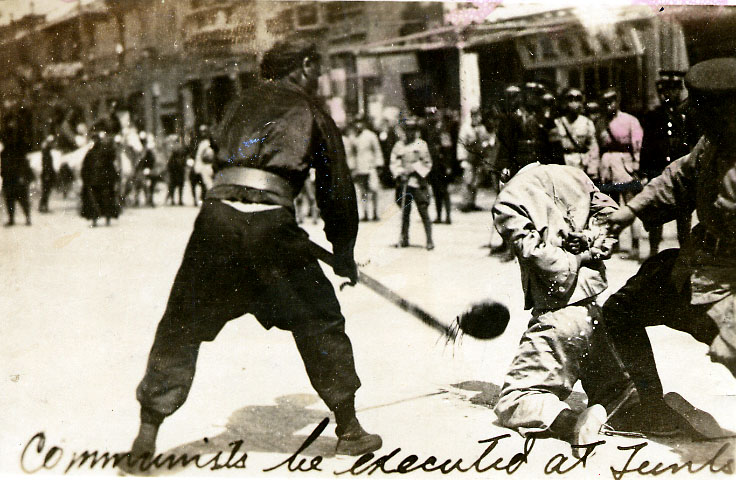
(341, 11)
(307, 15)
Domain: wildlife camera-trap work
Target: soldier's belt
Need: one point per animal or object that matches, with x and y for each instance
(256, 179)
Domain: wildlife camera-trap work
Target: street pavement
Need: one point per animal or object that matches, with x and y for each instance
(80, 306)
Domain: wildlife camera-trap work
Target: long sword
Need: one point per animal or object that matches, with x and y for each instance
(386, 292)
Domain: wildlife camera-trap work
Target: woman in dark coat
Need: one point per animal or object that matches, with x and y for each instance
(99, 178)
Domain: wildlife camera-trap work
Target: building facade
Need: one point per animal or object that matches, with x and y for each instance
(175, 64)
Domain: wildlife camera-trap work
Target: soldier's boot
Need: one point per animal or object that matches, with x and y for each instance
(650, 417)
(143, 450)
(352, 439)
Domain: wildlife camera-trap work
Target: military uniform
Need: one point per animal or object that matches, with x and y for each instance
(247, 254)
(411, 164)
(666, 138)
(522, 140)
(619, 139)
(578, 141)
(534, 213)
(691, 289)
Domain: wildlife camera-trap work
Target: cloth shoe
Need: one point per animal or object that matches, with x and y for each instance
(587, 428)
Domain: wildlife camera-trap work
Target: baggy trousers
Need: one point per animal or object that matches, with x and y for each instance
(237, 263)
(651, 298)
(559, 348)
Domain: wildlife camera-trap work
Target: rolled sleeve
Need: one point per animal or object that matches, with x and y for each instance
(669, 194)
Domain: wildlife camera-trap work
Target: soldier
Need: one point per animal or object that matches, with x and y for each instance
(576, 132)
(548, 213)
(410, 165)
(247, 254)
(690, 289)
(522, 137)
(665, 140)
(619, 139)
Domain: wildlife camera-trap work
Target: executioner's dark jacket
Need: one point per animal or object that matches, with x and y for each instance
(279, 128)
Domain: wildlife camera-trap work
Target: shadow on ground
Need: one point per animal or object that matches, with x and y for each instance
(489, 393)
(270, 428)
(719, 452)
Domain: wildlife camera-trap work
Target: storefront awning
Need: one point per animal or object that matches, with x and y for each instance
(543, 41)
(435, 39)
(576, 46)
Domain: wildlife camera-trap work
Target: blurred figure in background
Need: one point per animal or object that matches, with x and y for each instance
(307, 200)
(619, 138)
(15, 167)
(130, 151)
(65, 179)
(100, 177)
(387, 138)
(439, 140)
(473, 142)
(176, 168)
(576, 132)
(200, 173)
(368, 157)
(143, 178)
(522, 136)
(410, 165)
(665, 140)
(48, 173)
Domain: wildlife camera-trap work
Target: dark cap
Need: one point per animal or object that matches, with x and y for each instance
(285, 56)
(512, 89)
(713, 77)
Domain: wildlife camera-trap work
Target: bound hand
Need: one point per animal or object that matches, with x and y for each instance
(575, 242)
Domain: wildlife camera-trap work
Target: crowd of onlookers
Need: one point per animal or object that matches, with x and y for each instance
(424, 158)
(111, 165)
